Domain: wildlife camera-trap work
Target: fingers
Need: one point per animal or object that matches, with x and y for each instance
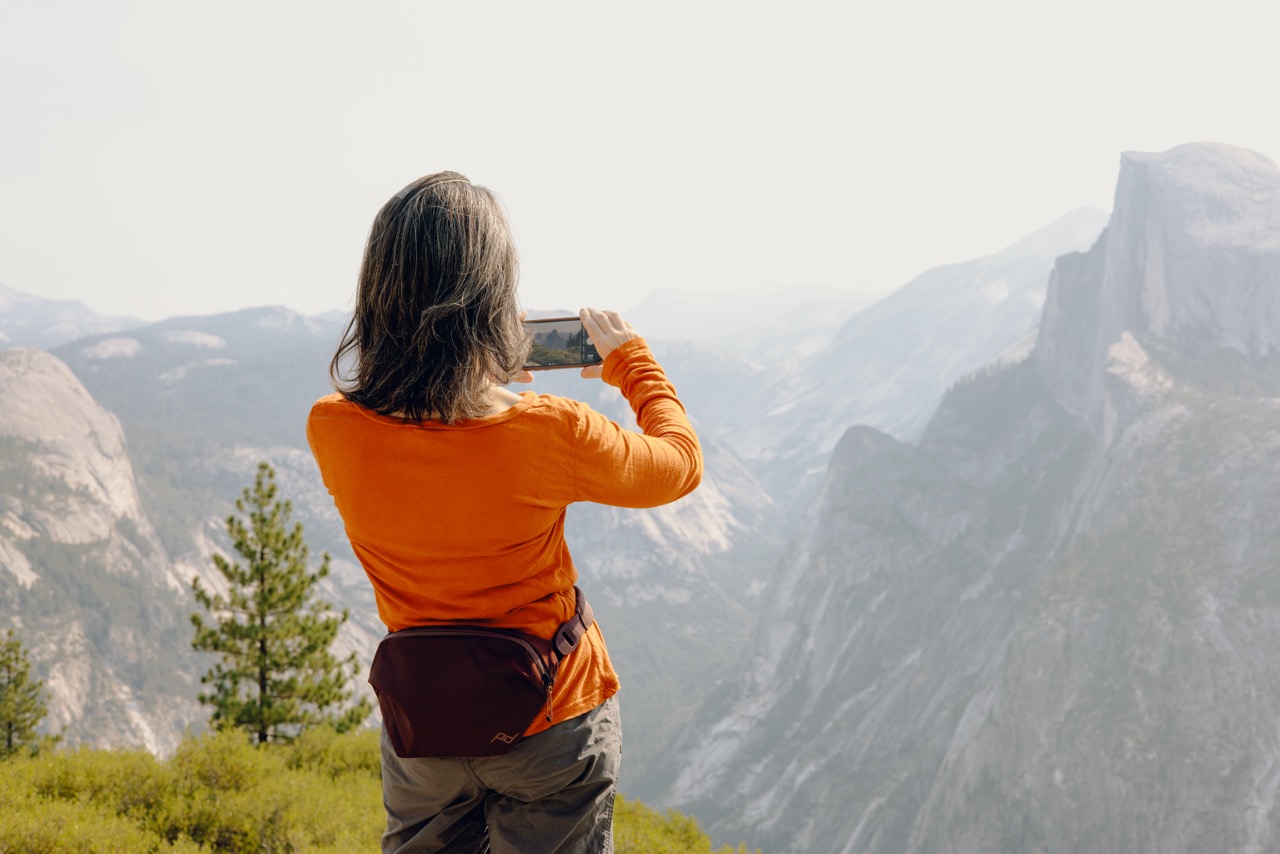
(606, 327)
(594, 332)
(610, 323)
(593, 372)
(607, 330)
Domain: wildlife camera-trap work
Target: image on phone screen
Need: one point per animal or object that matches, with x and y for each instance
(559, 342)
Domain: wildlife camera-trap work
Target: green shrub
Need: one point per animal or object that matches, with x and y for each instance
(220, 793)
(637, 829)
(313, 796)
(53, 827)
(122, 782)
(327, 752)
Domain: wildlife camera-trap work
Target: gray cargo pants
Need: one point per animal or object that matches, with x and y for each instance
(552, 794)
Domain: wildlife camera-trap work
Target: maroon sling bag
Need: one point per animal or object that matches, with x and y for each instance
(468, 690)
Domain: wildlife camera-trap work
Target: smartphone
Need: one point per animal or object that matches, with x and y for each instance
(559, 342)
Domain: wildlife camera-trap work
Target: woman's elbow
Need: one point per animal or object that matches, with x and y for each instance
(693, 477)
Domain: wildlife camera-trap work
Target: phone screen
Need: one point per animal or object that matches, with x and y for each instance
(559, 342)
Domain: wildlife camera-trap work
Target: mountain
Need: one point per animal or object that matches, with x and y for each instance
(1050, 625)
(889, 365)
(83, 576)
(1196, 255)
(32, 321)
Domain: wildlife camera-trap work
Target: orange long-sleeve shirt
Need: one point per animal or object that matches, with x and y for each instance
(464, 522)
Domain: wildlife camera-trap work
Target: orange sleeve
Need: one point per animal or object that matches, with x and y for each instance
(616, 466)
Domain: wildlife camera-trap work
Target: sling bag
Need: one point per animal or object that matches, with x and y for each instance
(468, 690)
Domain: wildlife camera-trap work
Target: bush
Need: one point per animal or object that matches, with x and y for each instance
(327, 752)
(637, 829)
(53, 826)
(317, 795)
(219, 792)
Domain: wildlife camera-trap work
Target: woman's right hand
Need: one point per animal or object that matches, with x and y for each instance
(607, 331)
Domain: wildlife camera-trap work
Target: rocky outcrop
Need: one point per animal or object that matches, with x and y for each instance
(1192, 248)
(83, 576)
(68, 478)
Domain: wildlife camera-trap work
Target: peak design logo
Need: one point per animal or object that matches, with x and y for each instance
(504, 738)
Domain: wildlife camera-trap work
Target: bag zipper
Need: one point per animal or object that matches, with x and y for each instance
(529, 648)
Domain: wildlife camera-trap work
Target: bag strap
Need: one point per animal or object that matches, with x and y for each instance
(569, 634)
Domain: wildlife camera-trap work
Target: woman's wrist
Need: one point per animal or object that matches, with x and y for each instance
(617, 363)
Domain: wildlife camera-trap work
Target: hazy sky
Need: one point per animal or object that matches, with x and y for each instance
(161, 158)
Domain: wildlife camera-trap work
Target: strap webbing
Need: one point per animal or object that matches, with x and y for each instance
(569, 634)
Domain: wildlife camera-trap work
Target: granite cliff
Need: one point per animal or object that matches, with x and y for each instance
(83, 575)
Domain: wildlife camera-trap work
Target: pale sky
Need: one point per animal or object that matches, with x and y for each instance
(162, 158)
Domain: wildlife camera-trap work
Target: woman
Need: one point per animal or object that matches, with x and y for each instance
(453, 492)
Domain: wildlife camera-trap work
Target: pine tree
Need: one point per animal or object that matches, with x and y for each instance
(277, 675)
(22, 705)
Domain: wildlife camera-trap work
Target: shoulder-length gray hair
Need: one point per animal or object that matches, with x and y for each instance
(436, 321)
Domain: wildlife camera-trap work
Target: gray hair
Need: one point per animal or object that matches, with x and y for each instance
(436, 321)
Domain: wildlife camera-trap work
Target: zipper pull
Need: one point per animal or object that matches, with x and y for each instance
(548, 683)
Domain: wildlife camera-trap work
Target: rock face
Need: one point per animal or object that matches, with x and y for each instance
(82, 450)
(81, 570)
(1193, 248)
(1050, 626)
